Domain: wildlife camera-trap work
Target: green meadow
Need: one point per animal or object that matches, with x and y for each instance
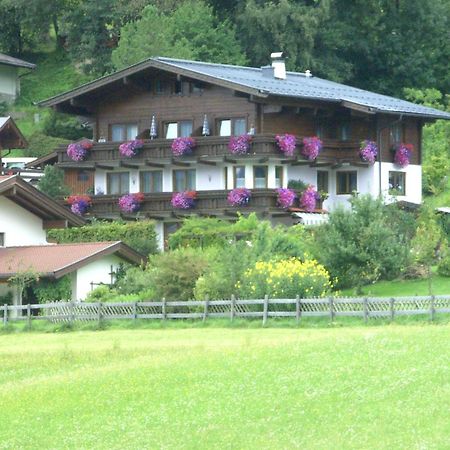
(355, 387)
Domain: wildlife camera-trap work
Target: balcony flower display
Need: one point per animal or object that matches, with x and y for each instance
(131, 148)
(311, 147)
(183, 146)
(286, 197)
(130, 203)
(309, 198)
(184, 200)
(239, 197)
(240, 145)
(403, 154)
(77, 151)
(286, 143)
(79, 204)
(368, 151)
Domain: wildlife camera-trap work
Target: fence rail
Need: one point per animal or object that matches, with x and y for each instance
(366, 308)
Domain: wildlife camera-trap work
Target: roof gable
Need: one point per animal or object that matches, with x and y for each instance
(16, 62)
(10, 135)
(252, 81)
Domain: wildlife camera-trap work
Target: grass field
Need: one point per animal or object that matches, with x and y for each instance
(352, 387)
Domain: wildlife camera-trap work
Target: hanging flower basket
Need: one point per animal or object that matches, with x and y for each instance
(240, 145)
(77, 151)
(184, 200)
(183, 146)
(309, 198)
(286, 198)
(311, 147)
(130, 203)
(79, 204)
(368, 151)
(403, 154)
(131, 148)
(286, 143)
(239, 197)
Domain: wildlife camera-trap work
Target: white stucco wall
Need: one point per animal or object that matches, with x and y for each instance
(9, 82)
(95, 272)
(19, 225)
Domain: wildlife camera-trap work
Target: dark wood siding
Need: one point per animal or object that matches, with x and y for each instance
(79, 181)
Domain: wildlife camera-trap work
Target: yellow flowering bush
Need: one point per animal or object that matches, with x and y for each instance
(285, 278)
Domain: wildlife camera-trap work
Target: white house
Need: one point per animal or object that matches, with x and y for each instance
(25, 214)
(10, 76)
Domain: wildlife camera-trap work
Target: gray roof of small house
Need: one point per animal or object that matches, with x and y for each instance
(11, 61)
(251, 80)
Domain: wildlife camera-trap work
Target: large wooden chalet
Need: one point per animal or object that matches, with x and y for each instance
(213, 102)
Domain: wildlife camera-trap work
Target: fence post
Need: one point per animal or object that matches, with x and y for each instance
(392, 309)
(298, 311)
(266, 309)
(330, 302)
(432, 309)
(164, 311)
(232, 307)
(99, 316)
(29, 316)
(5, 314)
(205, 311)
(135, 311)
(366, 310)
(71, 312)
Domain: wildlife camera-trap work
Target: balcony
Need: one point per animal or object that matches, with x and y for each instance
(208, 203)
(209, 150)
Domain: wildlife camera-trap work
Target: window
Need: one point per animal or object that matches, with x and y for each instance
(239, 176)
(178, 129)
(346, 182)
(260, 177)
(278, 176)
(118, 183)
(2, 239)
(151, 181)
(196, 88)
(397, 183)
(345, 132)
(162, 87)
(184, 180)
(225, 177)
(235, 127)
(83, 175)
(322, 181)
(124, 132)
(396, 133)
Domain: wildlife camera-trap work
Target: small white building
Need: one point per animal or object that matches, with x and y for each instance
(10, 76)
(25, 215)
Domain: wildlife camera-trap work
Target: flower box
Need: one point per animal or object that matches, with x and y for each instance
(183, 146)
(131, 148)
(240, 145)
(79, 204)
(77, 151)
(286, 143)
(130, 203)
(239, 197)
(311, 147)
(184, 200)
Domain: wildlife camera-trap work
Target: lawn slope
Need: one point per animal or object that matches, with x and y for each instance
(377, 387)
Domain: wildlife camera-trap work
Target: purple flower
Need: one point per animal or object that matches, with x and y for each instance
(286, 143)
(286, 197)
(77, 151)
(311, 147)
(131, 148)
(79, 204)
(368, 151)
(309, 198)
(240, 145)
(130, 203)
(183, 146)
(184, 200)
(403, 154)
(239, 197)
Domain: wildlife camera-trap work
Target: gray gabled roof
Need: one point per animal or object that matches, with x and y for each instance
(11, 61)
(251, 80)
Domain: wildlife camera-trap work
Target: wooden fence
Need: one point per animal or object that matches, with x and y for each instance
(366, 308)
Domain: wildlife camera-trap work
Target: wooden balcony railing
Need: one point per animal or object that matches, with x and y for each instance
(208, 149)
(210, 203)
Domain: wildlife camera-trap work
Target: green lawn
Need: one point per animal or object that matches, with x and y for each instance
(380, 387)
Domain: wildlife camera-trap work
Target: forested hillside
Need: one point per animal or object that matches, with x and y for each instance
(396, 47)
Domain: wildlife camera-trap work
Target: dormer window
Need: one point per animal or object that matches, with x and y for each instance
(179, 129)
(232, 127)
(124, 132)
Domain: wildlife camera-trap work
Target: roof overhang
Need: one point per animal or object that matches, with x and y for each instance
(10, 135)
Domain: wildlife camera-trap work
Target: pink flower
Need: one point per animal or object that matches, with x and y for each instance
(286, 143)
(286, 197)
(239, 197)
(309, 198)
(403, 154)
(240, 145)
(131, 148)
(368, 151)
(77, 151)
(184, 200)
(130, 203)
(183, 146)
(311, 147)
(79, 204)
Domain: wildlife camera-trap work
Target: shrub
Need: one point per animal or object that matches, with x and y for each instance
(444, 266)
(52, 183)
(52, 290)
(141, 235)
(361, 245)
(285, 279)
(61, 125)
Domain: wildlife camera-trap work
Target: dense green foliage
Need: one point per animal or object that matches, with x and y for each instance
(47, 291)
(125, 388)
(52, 183)
(138, 235)
(444, 266)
